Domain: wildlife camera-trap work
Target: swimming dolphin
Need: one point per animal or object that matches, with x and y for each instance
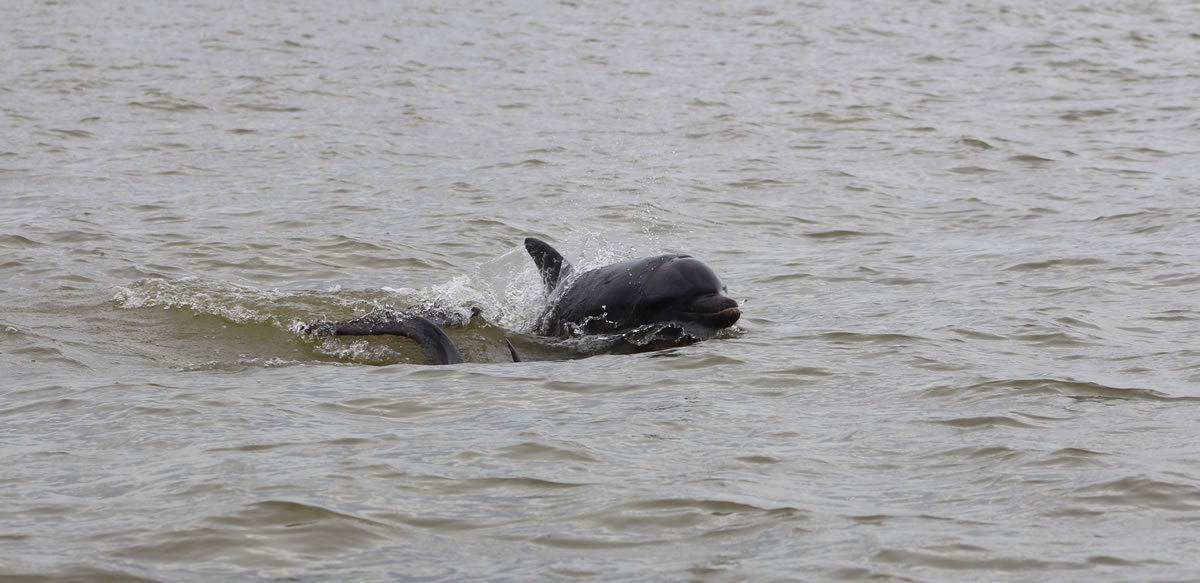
(673, 290)
(668, 289)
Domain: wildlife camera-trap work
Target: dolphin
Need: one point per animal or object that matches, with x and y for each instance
(677, 290)
(674, 290)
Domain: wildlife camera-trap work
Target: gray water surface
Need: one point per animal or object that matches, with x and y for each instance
(965, 237)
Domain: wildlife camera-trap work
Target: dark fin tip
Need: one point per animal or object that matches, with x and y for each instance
(513, 351)
(550, 262)
(438, 347)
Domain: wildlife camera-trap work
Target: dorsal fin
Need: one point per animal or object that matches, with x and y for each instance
(548, 261)
(513, 351)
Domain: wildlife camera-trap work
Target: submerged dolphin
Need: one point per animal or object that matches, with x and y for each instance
(677, 291)
(438, 347)
(433, 341)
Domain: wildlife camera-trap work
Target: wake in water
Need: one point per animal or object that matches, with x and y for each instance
(248, 326)
(556, 311)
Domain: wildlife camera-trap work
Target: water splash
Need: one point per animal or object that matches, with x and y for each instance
(237, 303)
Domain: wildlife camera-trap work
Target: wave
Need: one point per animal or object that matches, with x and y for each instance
(249, 535)
(249, 326)
(1083, 390)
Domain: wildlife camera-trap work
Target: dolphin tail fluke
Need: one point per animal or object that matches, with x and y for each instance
(548, 261)
(433, 341)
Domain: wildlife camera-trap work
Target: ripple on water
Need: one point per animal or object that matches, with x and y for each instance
(883, 338)
(1070, 457)
(543, 452)
(663, 520)
(1164, 493)
(269, 534)
(1057, 387)
(34, 348)
(960, 557)
(375, 407)
(79, 575)
(986, 422)
(1055, 263)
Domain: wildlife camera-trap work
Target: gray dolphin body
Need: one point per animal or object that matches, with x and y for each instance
(672, 290)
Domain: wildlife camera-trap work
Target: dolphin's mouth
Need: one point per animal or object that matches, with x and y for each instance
(715, 312)
(718, 319)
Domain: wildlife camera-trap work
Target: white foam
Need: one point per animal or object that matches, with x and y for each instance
(234, 302)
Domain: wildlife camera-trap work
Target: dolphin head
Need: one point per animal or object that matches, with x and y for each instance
(678, 291)
(684, 290)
